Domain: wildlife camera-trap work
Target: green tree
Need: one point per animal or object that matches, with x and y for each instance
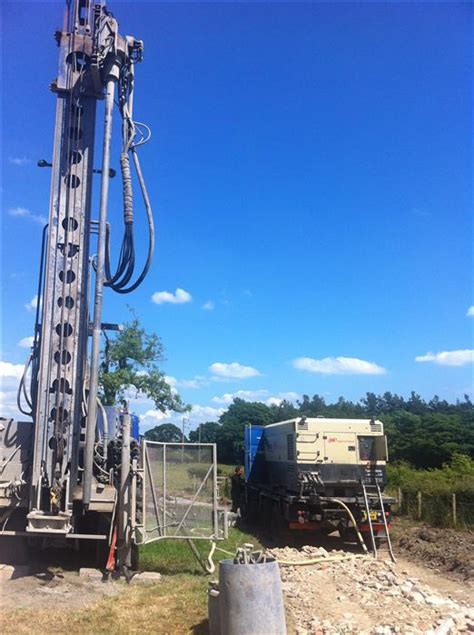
(208, 432)
(131, 361)
(166, 433)
(230, 438)
(283, 411)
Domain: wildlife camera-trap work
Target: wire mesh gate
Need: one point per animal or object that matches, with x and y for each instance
(179, 491)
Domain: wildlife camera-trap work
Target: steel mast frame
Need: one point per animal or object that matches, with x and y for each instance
(91, 54)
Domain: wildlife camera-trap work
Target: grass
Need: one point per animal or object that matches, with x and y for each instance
(177, 605)
(171, 557)
(223, 469)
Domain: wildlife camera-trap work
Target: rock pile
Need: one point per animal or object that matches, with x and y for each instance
(365, 596)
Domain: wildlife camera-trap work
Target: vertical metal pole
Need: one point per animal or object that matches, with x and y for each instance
(455, 518)
(225, 515)
(182, 439)
(98, 295)
(369, 520)
(164, 490)
(125, 546)
(385, 524)
(249, 452)
(199, 441)
(133, 499)
(214, 493)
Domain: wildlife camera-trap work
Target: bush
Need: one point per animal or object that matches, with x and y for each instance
(437, 487)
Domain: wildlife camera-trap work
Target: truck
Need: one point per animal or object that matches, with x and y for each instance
(318, 474)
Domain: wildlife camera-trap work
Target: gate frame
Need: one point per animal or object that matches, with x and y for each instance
(142, 473)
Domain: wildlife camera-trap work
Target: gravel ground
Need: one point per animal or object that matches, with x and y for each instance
(368, 596)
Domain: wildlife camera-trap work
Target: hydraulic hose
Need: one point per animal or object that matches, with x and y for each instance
(126, 263)
(22, 390)
(301, 563)
(351, 516)
(291, 563)
(105, 428)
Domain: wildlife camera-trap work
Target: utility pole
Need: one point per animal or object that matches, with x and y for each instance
(185, 420)
(199, 441)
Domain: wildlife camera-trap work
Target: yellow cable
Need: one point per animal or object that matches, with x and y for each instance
(298, 563)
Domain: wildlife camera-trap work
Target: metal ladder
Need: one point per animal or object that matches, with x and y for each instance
(369, 520)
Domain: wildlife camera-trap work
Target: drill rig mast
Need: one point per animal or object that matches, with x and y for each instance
(67, 480)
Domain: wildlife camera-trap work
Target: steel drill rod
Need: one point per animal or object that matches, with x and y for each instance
(98, 296)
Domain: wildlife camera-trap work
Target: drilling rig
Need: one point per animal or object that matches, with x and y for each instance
(59, 481)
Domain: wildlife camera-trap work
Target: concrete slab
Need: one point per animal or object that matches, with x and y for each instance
(11, 572)
(91, 574)
(146, 578)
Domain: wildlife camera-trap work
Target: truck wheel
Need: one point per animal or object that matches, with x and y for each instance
(278, 524)
(249, 513)
(268, 519)
(348, 534)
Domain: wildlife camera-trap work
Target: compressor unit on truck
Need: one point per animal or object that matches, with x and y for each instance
(319, 474)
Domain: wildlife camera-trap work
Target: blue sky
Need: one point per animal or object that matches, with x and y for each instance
(310, 170)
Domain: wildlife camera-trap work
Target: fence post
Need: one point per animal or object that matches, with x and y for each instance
(418, 498)
(400, 500)
(455, 520)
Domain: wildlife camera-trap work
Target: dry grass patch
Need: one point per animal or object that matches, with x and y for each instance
(176, 605)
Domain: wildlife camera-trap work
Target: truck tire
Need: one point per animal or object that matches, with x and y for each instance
(268, 518)
(250, 514)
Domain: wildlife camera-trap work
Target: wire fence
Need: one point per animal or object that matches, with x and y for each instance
(438, 508)
(180, 496)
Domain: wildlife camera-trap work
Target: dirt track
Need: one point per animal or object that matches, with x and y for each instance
(367, 596)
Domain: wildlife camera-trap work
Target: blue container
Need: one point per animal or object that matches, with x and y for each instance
(254, 454)
(251, 599)
(114, 423)
(135, 432)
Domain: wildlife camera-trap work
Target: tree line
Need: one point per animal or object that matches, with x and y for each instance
(424, 434)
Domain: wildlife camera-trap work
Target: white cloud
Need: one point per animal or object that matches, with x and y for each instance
(8, 405)
(338, 366)
(208, 306)
(247, 395)
(22, 212)
(152, 418)
(26, 342)
(470, 311)
(283, 396)
(233, 370)
(196, 382)
(180, 296)
(262, 396)
(449, 358)
(11, 370)
(171, 381)
(198, 414)
(10, 375)
(20, 161)
(32, 304)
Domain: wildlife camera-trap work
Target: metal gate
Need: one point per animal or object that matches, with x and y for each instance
(179, 491)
